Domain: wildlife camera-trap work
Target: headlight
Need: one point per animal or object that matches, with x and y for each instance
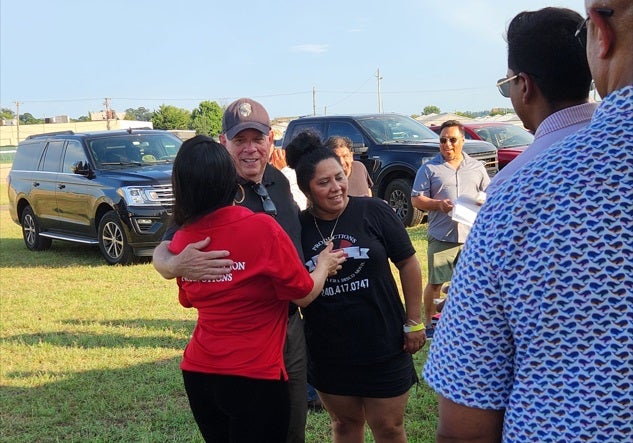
(140, 195)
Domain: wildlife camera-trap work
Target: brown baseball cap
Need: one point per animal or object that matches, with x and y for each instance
(244, 113)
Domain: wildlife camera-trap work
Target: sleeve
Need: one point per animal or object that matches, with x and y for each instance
(393, 233)
(422, 182)
(170, 231)
(485, 182)
(471, 360)
(290, 278)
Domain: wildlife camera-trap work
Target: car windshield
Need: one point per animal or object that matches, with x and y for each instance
(134, 149)
(395, 128)
(505, 136)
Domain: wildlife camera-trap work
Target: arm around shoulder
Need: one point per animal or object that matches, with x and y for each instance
(192, 262)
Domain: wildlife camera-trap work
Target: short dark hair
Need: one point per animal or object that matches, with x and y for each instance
(453, 123)
(303, 153)
(203, 179)
(336, 141)
(542, 44)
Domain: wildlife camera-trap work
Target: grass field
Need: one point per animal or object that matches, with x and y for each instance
(90, 352)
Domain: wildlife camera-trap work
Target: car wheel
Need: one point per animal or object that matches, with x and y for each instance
(398, 195)
(112, 241)
(31, 232)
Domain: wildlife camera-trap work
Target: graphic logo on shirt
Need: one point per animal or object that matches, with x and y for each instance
(237, 266)
(351, 278)
(341, 242)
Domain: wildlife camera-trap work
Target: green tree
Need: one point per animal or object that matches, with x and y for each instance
(7, 114)
(28, 119)
(83, 118)
(500, 111)
(467, 114)
(206, 119)
(431, 109)
(171, 117)
(141, 114)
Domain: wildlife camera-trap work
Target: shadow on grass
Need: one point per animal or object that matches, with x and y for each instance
(123, 339)
(144, 402)
(139, 403)
(13, 253)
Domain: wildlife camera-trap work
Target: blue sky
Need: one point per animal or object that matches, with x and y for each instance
(66, 57)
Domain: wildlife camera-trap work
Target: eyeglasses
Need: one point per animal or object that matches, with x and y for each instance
(269, 205)
(504, 85)
(444, 140)
(581, 31)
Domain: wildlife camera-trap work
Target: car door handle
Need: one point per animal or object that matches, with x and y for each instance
(61, 186)
(36, 184)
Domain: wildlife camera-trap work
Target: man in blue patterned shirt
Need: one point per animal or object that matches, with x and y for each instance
(535, 343)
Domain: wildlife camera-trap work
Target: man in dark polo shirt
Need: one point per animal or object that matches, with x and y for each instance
(247, 135)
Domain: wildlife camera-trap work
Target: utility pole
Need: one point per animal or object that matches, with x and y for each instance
(378, 77)
(313, 100)
(17, 119)
(107, 112)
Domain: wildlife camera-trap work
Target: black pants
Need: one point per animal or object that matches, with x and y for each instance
(232, 409)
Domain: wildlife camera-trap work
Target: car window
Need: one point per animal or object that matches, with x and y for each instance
(505, 136)
(345, 129)
(396, 128)
(28, 155)
(74, 154)
(300, 127)
(52, 156)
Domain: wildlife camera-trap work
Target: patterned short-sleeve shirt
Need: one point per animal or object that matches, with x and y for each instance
(539, 319)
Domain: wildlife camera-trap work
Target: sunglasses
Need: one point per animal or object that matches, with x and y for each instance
(504, 85)
(444, 140)
(581, 31)
(267, 203)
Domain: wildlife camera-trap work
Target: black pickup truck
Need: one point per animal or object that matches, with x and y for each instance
(392, 147)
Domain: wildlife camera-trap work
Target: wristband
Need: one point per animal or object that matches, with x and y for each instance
(414, 328)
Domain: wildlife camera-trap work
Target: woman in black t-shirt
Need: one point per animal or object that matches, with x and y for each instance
(360, 337)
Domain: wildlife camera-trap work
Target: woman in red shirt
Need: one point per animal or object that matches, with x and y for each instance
(233, 366)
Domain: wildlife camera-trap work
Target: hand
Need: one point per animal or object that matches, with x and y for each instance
(446, 206)
(333, 259)
(196, 264)
(414, 341)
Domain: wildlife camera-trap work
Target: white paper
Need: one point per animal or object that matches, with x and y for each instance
(466, 209)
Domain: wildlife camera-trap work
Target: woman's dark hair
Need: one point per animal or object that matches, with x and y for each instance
(542, 43)
(203, 179)
(303, 153)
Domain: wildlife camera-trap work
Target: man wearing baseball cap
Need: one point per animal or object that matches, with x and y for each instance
(247, 135)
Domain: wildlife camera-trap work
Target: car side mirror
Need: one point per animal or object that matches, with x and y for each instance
(81, 168)
(359, 148)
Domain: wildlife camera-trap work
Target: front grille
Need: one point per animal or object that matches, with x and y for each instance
(165, 195)
(490, 162)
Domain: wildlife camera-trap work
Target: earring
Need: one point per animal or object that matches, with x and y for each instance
(243, 195)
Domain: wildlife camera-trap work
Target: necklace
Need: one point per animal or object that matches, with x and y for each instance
(329, 239)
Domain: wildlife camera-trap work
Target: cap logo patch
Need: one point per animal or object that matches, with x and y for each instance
(245, 109)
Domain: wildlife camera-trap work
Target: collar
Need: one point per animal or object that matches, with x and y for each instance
(565, 117)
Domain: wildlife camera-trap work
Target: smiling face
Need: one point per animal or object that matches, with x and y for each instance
(346, 158)
(328, 189)
(451, 149)
(250, 150)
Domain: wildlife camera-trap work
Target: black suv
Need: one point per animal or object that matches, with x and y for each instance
(392, 147)
(111, 188)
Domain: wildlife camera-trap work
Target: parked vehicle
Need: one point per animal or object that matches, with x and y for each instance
(110, 188)
(392, 147)
(510, 140)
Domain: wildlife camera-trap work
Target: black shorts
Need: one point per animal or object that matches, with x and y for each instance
(382, 379)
